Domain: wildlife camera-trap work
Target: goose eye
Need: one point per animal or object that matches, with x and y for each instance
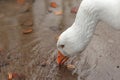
(62, 46)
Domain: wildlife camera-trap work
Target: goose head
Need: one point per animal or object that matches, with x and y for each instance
(71, 42)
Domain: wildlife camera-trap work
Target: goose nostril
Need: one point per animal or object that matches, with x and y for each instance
(62, 46)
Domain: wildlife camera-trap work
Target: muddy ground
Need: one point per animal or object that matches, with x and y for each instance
(32, 56)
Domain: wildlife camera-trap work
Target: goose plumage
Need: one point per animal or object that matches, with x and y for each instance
(74, 40)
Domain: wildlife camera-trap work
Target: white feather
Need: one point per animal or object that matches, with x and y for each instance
(90, 12)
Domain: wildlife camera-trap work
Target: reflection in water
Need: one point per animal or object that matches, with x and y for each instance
(10, 34)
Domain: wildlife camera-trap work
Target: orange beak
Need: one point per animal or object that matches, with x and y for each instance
(61, 59)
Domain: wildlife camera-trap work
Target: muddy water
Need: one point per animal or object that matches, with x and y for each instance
(33, 55)
(25, 54)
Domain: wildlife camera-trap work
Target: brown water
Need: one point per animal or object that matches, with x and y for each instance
(25, 53)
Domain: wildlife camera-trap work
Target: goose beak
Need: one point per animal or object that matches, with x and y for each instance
(61, 59)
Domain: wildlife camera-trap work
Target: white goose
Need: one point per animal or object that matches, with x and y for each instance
(76, 38)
